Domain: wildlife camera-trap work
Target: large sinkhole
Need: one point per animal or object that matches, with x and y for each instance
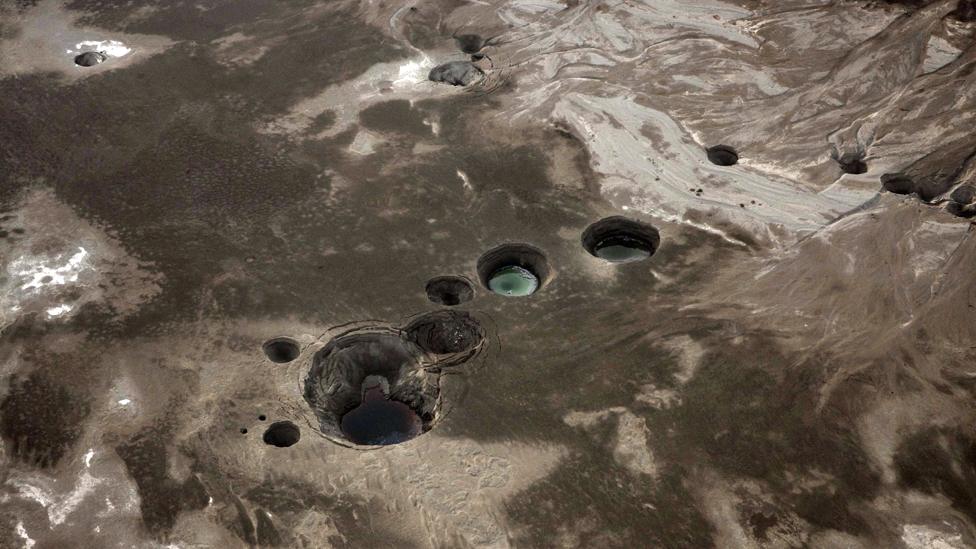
(377, 385)
(618, 239)
(513, 270)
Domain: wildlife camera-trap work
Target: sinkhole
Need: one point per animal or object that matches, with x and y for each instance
(456, 73)
(343, 373)
(513, 270)
(722, 155)
(90, 58)
(619, 239)
(282, 434)
(281, 349)
(897, 183)
(852, 163)
(470, 43)
(445, 333)
(380, 385)
(449, 290)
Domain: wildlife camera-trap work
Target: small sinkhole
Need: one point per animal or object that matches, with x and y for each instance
(449, 290)
(853, 163)
(281, 349)
(722, 155)
(90, 58)
(282, 434)
(898, 183)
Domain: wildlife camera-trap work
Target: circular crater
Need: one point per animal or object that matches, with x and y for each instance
(722, 155)
(619, 239)
(90, 58)
(852, 163)
(281, 349)
(343, 373)
(513, 270)
(449, 290)
(446, 333)
(897, 183)
(282, 434)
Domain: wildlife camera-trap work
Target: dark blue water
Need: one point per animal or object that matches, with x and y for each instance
(380, 421)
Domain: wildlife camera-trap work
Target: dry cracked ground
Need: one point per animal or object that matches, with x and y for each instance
(255, 271)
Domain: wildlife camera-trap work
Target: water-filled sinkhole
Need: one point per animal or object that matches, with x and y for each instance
(619, 239)
(513, 270)
(380, 385)
(512, 280)
(342, 372)
(379, 420)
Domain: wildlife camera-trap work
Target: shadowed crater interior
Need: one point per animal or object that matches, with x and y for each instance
(281, 349)
(722, 155)
(897, 183)
(282, 434)
(513, 270)
(90, 58)
(852, 163)
(351, 365)
(621, 240)
(449, 290)
(471, 43)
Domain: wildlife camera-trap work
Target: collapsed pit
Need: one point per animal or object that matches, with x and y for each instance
(456, 73)
(619, 239)
(343, 373)
(281, 350)
(852, 163)
(282, 434)
(514, 270)
(449, 290)
(446, 333)
(897, 183)
(90, 58)
(722, 155)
